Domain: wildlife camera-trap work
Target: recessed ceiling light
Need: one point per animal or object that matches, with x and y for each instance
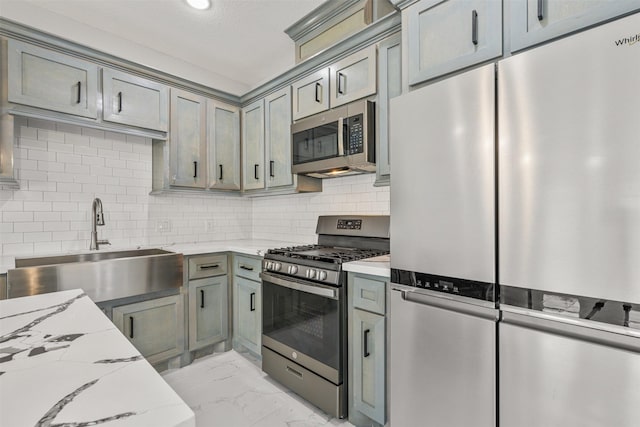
(199, 4)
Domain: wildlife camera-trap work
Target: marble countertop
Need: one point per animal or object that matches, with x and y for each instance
(244, 246)
(62, 362)
(377, 266)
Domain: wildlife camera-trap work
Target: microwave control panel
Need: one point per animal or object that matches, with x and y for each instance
(356, 135)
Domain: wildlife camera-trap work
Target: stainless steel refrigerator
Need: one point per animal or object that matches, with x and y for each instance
(442, 312)
(569, 230)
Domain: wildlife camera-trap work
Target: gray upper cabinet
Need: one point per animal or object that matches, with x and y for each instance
(135, 101)
(253, 146)
(223, 126)
(390, 86)
(311, 94)
(187, 139)
(277, 108)
(50, 80)
(449, 35)
(353, 77)
(536, 21)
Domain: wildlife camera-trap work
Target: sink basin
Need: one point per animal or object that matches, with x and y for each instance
(104, 276)
(86, 257)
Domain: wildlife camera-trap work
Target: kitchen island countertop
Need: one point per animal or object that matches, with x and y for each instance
(62, 362)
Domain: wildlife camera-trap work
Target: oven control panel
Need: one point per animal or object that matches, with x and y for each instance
(329, 277)
(349, 224)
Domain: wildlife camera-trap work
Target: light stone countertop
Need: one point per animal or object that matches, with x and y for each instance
(376, 266)
(62, 362)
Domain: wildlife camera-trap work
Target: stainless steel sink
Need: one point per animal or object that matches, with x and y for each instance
(104, 276)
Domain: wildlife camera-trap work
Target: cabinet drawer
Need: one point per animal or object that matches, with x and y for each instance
(369, 293)
(207, 266)
(247, 267)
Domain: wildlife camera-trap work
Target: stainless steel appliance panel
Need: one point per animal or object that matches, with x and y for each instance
(554, 373)
(442, 362)
(442, 203)
(568, 165)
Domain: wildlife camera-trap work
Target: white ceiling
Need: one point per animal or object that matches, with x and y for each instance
(234, 46)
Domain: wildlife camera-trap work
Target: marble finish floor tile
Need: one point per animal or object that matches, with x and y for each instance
(230, 390)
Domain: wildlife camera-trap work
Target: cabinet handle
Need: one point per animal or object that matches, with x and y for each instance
(255, 171)
(201, 298)
(195, 169)
(79, 98)
(119, 102)
(244, 267)
(252, 301)
(366, 343)
(340, 88)
(131, 327)
(220, 177)
(271, 168)
(474, 27)
(540, 10)
(208, 266)
(318, 86)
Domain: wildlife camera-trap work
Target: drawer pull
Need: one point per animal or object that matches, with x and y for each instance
(252, 301)
(294, 372)
(131, 327)
(208, 266)
(201, 298)
(366, 343)
(244, 267)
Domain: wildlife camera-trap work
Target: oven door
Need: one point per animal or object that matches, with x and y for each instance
(303, 321)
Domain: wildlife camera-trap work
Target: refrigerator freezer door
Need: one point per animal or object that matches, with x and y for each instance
(569, 152)
(442, 362)
(554, 374)
(442, 158)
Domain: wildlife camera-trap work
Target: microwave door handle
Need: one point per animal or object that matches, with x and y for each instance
(341, 133)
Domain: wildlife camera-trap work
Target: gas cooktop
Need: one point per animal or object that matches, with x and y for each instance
(328, 254)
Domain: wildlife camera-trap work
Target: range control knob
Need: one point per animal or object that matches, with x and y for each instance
(293, 269)
(311, 273)
(269, 265)
(322, 275)
(277, 266)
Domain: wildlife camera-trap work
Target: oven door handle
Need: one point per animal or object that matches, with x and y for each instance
(300, 286)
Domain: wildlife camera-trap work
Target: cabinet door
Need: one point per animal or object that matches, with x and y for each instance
(390, 75)
(278, 138)
(368, 346)
(253, 146)
(223, 124)
(311, 94)
(448, 35)
(134, 101)
(154, 327)
(47, 79)
(536, 21)
(354, 77)
(208, 311)
(248, 314)
(187, 139)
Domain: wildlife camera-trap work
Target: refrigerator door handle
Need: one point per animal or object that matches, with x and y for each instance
(585, 330)
(449, 304)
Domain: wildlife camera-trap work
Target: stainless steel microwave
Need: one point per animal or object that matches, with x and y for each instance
(337, 142)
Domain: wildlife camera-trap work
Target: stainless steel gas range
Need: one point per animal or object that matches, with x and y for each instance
(304, 308)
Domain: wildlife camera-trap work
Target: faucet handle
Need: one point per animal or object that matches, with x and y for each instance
(99, 218)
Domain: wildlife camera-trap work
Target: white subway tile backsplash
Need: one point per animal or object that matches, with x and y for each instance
(37, 237)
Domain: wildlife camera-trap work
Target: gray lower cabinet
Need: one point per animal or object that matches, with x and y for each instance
(367, 349)
(448, 35)
(536, 21)
(135, 101)
(247, 304)
(208, 300)
(187, 139)
(253, 172)
(46, 79)
(155, 327)
(390, 86)
(208, 311)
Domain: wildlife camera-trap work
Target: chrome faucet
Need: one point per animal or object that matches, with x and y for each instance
(97, 218)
